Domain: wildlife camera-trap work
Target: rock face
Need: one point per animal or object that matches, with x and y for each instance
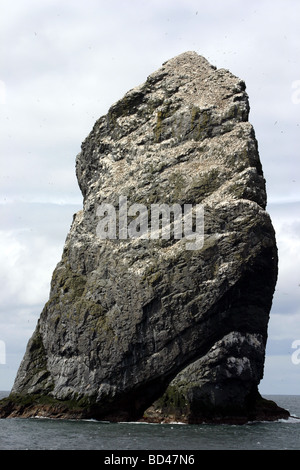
(132, 319)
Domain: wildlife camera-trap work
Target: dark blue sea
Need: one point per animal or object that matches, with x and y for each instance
(51, 434)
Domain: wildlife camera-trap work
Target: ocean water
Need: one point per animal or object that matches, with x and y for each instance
(50, 434)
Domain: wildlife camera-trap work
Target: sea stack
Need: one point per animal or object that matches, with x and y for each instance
(161, 319)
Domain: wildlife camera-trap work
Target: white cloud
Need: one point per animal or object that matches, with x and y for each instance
(22, 278)
(286, 220)
(281, 376)
(30, 247)
(285, 327)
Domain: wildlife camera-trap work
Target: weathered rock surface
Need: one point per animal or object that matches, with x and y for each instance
(130, 321)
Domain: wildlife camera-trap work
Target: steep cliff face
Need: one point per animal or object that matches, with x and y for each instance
(142, 315)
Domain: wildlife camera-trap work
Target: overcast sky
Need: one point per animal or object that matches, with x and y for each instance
(63, 63)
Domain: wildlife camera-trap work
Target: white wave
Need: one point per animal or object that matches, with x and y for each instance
(291, 419)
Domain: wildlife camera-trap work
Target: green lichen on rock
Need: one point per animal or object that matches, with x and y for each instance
(163, 113)
(172, 403)
(38, 354)
(38, 376)
(200, 123)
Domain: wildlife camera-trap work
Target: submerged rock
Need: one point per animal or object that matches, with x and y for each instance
(143, 315)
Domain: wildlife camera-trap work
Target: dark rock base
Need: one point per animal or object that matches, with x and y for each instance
(30, 406)
(262, 410)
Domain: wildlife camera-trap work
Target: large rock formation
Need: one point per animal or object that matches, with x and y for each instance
(132, 319)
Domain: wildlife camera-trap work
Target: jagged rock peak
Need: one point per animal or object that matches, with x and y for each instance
(137, 313)
(185, 100)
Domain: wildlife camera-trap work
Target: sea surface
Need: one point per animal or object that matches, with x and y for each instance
(51, 434)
